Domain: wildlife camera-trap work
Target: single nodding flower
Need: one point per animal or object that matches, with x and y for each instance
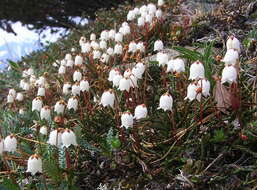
(127, 120)
(166, 102)
(34, 164)
(229, 74)
(10, 143)
(107, 98)
(140, 112)
(68, 138)
(196, 71)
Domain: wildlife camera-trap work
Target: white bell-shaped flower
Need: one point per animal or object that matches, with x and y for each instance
(105, 58)
(112, 34)
(136, 11)
(84, 85)
(229, 74)
(21, 111)
(151, 8)
(103, 44)
(10, 143)
(192, 92)
(12, 92)
(233, 43)
(104, 35)
(231, 57)
(96, 54)
(132, 47)
(86, 47)
(69, 138)
(127, 120)
(22, 81)
(1, 146)
(138, 70)
(166, 102)
(63, 62)
(77, 76)
(45, 113)
(196, 71)
(66, 88)
(92, 37)
(62, 70)
(112, 73)
(176, 65)
(149, 18)
(131, 15)
(10, 98)
(133, 81)
(37, 104)
(140, 112)
(55, 138)
(160, 3)
(116, 80)
(125, 30)
(141, 21)
(107, 98)
(68, 56)
(19, 97)
(158, 45)
(162, 58)
(41, 81)
(124, 84)
(73, 103)
(95, 45)
(75, 90)
(118, 49)
(34, 164)
(78, 60)
(143, 9)
(110, 51)
(82, 40)
(158, 14)
(41, 91)
(26, 86)
(205, 86)
(69, 63)
(141, 47)
(59, 107)
(43, 130)
(118, 37)
(127, 73)
(30, 71)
